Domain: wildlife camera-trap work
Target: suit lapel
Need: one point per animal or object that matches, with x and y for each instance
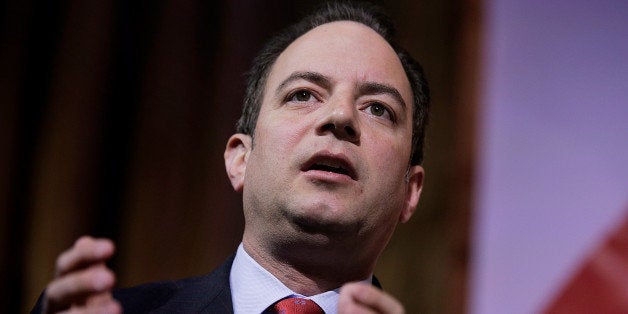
(205, 294)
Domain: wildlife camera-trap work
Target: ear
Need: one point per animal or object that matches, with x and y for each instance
(413, 192)
(236, 156)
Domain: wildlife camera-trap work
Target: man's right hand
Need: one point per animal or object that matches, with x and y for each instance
(82, 280)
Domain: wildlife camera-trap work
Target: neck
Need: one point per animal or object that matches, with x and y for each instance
(310, 269)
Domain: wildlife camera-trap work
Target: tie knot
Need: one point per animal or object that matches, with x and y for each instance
(296, 305)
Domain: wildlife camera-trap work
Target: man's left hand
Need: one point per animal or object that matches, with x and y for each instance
(359, 297)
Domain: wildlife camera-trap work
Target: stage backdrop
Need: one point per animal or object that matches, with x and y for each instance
(553, 163)
(114, 116)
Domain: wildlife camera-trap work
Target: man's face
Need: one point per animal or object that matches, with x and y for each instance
(332, 142)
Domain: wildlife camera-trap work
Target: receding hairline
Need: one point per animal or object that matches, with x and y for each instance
(408, 85)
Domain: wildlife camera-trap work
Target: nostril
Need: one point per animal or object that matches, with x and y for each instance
(329, 127)
(350, 131)
(341, 131)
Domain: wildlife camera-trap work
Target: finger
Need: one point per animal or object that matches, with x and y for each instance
(358, 296)
(348, 306)
(99, 299)
(103, 303)
(76, 287)
(347, 303)
(85, 251)
(112, 307)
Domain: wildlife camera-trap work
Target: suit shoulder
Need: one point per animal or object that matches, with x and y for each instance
(192, 294)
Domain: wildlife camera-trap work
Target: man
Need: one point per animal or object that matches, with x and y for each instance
(327, 158)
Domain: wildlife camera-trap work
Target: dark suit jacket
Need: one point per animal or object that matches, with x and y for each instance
(205, 294)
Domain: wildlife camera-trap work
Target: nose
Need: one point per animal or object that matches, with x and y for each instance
(340, 119)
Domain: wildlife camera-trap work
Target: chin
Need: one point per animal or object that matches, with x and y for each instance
(325, 224)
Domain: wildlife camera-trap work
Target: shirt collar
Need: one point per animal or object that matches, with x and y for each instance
(253, 288)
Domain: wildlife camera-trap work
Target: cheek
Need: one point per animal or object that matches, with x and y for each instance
(389, 153)
(272, 152)
(282, 133)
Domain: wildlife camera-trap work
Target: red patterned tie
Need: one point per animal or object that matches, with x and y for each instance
(295, 305)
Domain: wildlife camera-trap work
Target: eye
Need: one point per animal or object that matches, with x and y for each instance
(301, 95)
(379, 110)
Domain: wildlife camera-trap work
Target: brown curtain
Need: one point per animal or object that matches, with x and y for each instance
(114, 117)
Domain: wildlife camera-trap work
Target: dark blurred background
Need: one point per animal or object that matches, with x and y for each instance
(114, 116)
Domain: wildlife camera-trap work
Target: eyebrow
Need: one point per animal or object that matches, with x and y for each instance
(313, 77)
(372, 88)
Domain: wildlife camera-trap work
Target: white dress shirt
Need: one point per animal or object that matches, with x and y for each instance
(253, 288)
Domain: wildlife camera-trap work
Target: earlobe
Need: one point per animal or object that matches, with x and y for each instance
(236, 156)
(413, 192)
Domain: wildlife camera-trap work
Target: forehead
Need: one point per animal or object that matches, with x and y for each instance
(346, 52)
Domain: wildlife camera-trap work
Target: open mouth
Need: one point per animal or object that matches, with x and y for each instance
(329, 168)
(331, 163)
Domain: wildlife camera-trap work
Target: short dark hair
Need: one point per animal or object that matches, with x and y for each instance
(367, 14)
